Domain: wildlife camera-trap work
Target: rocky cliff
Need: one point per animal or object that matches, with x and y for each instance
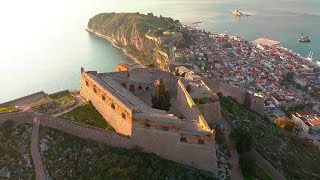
(129, 31)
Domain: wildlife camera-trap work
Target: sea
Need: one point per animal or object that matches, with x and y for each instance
(43, 44)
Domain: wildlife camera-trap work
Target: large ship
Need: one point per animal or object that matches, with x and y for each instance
(304, 38)
(236, 12)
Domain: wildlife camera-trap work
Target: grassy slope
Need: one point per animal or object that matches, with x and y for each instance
(69, 156)
(7, 109)
(57, 103)
(87, 114)
(281, 148)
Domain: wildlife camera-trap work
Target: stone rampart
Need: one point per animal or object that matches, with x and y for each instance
(109, 138)
(168, 146)
(184, 99)
(58, 93)
(150, 75)
(17, 117)
(256, 103)
(25, 100)
(116, 113)
(210, 111)
(226, 90)
(265, 165)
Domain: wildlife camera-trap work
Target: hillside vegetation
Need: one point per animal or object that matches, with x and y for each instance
(87, 114)
(70, 157)
(129, 30)
(128, 23)
(280, 147)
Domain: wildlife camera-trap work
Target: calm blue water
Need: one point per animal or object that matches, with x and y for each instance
(44, 44)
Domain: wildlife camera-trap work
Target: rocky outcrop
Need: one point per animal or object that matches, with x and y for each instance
(128, 31)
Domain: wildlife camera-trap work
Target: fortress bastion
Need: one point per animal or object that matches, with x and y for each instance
(123, 98)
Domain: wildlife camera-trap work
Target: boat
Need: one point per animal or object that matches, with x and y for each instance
(304, 38)
(236, 12)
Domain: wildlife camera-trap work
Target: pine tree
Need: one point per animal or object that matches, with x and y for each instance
(161, 97)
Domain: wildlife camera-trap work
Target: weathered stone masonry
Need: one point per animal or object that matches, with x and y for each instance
(187, 141)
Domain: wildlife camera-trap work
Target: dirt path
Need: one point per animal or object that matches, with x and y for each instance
(35, 153)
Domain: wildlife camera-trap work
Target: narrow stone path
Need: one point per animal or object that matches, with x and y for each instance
(236, 173)
(35, 153)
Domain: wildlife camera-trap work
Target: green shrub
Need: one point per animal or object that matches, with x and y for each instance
(7, 109)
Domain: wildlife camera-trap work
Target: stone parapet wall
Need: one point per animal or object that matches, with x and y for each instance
(59, 93)
(200, 140)
(117, 114)
(256, 103)
(25, 100)
(226, 90)
(150, 75)
(17, 118)
(156, 125)
(265, 165)
(210, 111)
(187, 102)
(168, 146)
(109, 138)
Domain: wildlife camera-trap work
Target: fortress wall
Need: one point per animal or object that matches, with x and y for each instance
(226, 90)
(150, 75)
(147, 124)
(116, 113)
(229, 90)
(58, 93)
(159, 142)
(184, 99)
(109, 138)
(17, 117)
(196, 139)
(256, 103)
(135, 86)
(118, 74)
(167, 145)
(198, 156)
(32, 98)
(210, 111)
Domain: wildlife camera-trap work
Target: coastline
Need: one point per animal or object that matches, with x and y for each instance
(112, 42)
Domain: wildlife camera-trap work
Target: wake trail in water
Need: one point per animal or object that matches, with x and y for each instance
(305, 14)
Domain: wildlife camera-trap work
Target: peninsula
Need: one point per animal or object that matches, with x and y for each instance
(148, 39)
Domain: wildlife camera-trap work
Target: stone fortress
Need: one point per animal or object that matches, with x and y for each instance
(182, 134)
